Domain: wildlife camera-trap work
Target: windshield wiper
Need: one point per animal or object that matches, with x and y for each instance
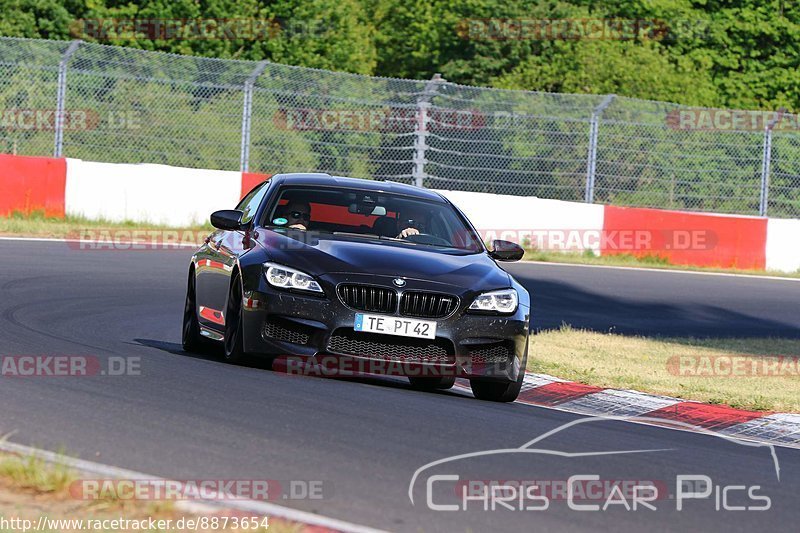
(352, 234)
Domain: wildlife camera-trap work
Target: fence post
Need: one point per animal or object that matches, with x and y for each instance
(61, 95)
(591, 162)
(423, 117)
(247, 114)
(766, 161)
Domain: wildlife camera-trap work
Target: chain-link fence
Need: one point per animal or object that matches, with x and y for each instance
(115, 104)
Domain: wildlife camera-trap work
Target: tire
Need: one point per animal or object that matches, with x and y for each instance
(192, 340)
(494, 391)
(234, 333)
(432, 384)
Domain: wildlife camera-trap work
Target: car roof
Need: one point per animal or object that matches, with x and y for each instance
(356, 183)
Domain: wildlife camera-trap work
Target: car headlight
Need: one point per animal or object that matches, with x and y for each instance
(284, 277)
(502, 301)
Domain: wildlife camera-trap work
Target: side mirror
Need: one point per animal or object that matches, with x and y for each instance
(506, 251)
(227, 219)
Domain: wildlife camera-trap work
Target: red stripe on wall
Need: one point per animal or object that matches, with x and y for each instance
(705, 416)
(32, 184)
(250, 180)
(686, 238)
(556, 393)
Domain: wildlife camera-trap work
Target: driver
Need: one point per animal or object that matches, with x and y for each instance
(298, 213)
(413, 221)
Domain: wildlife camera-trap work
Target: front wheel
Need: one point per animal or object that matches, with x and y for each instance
(502, 391)
(496, 392)
(192, 340)
(234, 334)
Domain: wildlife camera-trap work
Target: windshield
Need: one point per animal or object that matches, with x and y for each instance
(371, 215)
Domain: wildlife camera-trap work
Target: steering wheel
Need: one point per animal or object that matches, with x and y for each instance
(427, 238)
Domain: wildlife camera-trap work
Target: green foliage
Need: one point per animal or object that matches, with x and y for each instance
(739, 54)
(329, 34)
(48, 19)
(606, 67)
(735, 54)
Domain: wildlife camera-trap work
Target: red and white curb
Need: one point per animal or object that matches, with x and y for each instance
(316, 523)
(541, 390)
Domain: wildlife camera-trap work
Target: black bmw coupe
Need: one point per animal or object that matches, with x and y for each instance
(386, 275)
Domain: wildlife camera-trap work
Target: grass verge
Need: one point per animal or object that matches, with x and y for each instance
(31, 488)
(38, 225)
(717, 371)
(31, 473)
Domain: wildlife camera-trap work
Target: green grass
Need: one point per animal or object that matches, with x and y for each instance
(650, 365)
(50, 482)
(36, 224)
(35, 474)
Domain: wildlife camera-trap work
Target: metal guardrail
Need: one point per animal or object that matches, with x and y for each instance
(116, 104)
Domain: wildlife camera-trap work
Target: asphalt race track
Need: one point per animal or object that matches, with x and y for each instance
(667, 303)
(190, 417)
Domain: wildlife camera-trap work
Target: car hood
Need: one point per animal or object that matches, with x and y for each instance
(325, 254)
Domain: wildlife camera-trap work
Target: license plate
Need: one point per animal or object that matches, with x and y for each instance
(389, 325)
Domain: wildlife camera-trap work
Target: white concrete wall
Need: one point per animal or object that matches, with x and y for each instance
(783, 244)
(178, 196)
(158, 194)
(549, 224)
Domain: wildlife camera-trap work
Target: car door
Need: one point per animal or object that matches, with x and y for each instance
(212, 282)
(216, 261)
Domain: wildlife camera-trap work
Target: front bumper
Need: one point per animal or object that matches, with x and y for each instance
(278, 322)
